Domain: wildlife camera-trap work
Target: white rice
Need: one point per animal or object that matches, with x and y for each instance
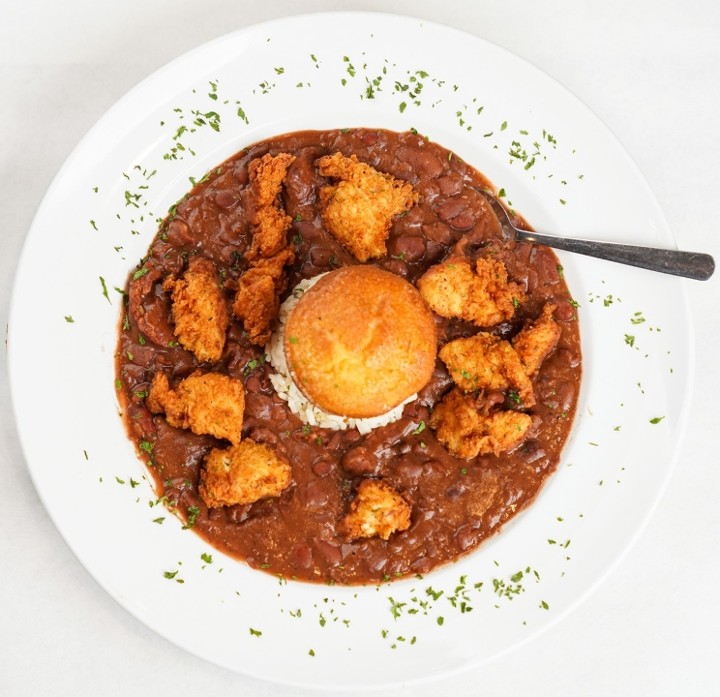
(287, 389)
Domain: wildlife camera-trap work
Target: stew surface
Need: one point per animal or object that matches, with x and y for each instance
(455, 502)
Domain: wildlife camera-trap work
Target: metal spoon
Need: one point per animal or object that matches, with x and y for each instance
(693, 265)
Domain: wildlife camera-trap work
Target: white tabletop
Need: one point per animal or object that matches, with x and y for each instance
(651, 70)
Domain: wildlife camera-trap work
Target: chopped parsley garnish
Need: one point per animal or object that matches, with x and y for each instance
(253, 364)
(104, 289)
(193, 513)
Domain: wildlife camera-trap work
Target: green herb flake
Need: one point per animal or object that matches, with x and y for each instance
(241, 114)
(104, 289)
(192, 515)
(69, 319)
(656, 420)
(420, 428)
(255, 632)
(207, 558)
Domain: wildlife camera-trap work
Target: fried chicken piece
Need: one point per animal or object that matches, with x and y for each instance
(537, 340)
(257, 299)
(199, 310)
(270, 222)
(359, 209)
(483, 296)
(206, 403)
(243, 473)
(376, 511)
(467, 433)
(485, 362)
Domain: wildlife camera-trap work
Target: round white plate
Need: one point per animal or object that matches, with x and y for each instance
(557, 164)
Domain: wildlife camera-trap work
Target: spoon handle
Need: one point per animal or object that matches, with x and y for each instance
(693, 265)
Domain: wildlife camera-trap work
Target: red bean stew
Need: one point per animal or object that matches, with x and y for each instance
(457, 496)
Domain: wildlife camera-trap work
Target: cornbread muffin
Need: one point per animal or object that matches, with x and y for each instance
(360, 342)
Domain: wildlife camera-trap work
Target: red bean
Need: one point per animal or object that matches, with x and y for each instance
(546, 266)
(225, 199)
(565, 397)
(564, 310)
(359, 460)
(323, 466)
(408, 247)
(396, 266)
(450, 185)
(439, 232)
(316, 494)
(421, 160)
(457, 212)
(331, 553)
(303, 556)
(178, 232)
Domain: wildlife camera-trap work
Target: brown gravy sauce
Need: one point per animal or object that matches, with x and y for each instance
(456, 503)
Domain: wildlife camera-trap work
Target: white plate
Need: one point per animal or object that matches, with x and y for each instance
(324, 71)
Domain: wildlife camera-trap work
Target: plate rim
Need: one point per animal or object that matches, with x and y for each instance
(687, 393)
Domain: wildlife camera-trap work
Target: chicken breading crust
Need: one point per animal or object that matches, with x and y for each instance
(270, 222)
(467, 433)
(537, 340)
(242, 474)
(485, 362)
(206, 403)
(257, 299)
(199, 310)
(358, 211)
(376, 511)
(483, 296)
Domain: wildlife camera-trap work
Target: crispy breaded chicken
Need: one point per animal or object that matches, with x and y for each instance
(241, 474)
(467, 433)
(359, 209)
(537, 340)
(483, 296)
(270, 221)
(206, 403)
(486, 362)
(376, 511)
(257, 299)
(199, 310)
